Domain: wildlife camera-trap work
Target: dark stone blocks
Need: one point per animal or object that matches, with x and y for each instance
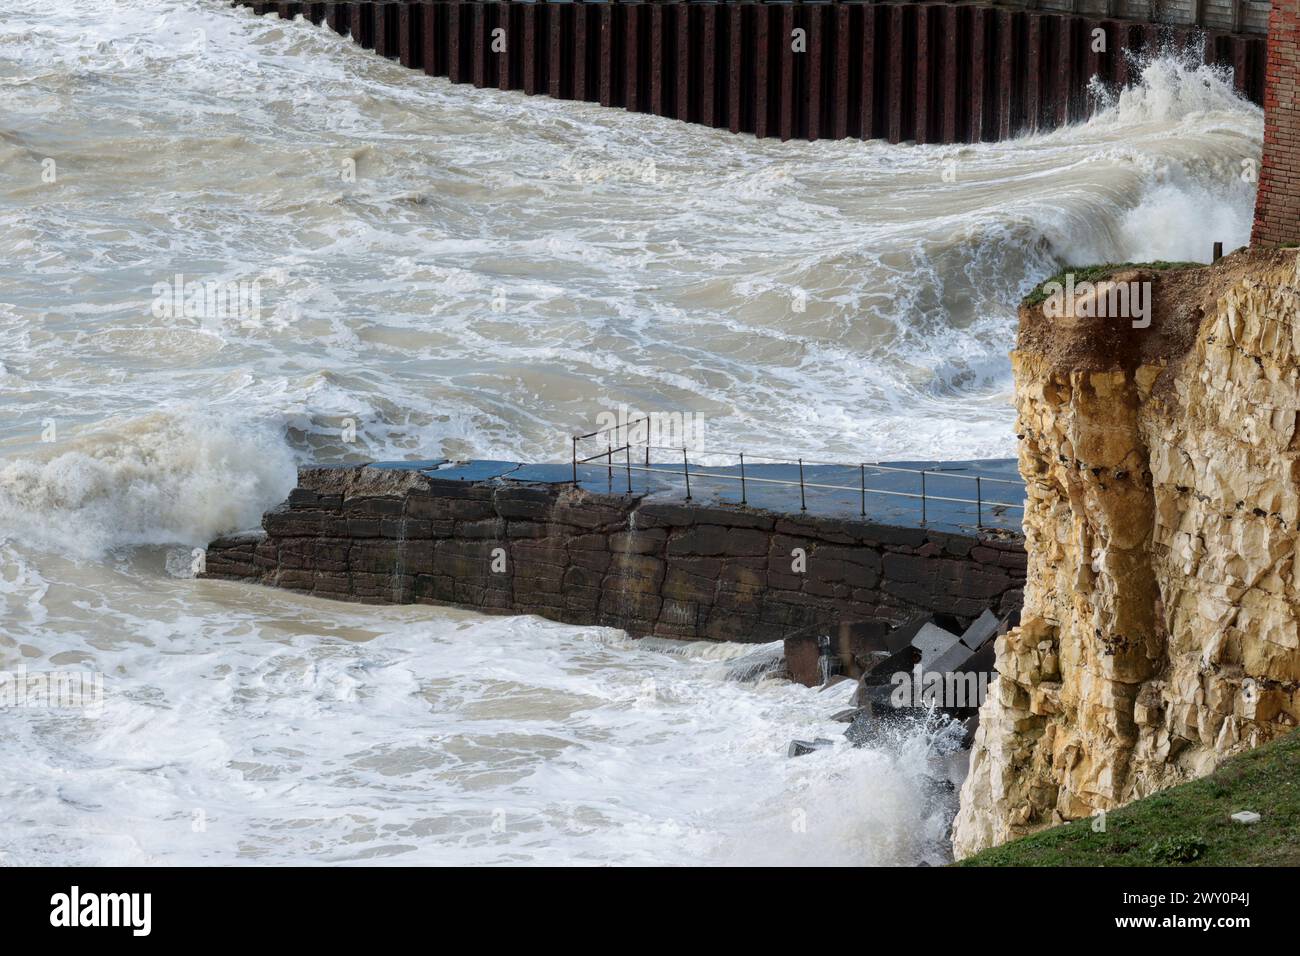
(650, 567)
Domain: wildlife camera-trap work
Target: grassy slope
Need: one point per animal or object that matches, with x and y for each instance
(1186, 825)
(1095, 273)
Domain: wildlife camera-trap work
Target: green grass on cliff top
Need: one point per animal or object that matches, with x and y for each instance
(1093, 273)
(1187, 825)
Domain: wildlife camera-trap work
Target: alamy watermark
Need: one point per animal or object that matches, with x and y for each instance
(925, 689)
(209, 301)
(663, 429)
(81, 691)
(1101, 300)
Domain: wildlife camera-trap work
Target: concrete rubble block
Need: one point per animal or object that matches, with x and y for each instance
(951, 661)
(876, 713)
(799, 748)
(933, 642)
(857, 644)
(982, 661)
(983, 629)
(1009, 619)
(903, 635)
(904, 661)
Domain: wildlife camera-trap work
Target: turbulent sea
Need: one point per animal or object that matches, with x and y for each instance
(453, 272)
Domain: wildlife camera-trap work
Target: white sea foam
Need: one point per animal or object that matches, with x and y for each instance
(158, 479)
(636, 261)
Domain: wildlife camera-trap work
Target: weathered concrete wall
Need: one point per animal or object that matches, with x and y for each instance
(1277, 207)
(923, 72)
(650, 567)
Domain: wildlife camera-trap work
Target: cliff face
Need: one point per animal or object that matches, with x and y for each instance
(1159, 631)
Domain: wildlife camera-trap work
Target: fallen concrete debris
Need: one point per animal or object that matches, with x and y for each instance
(929, 666)
(798, 748)
(813, 657)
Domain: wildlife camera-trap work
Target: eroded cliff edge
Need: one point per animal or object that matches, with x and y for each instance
(1159, 632)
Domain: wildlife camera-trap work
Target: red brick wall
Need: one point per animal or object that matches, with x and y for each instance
(1277, 209)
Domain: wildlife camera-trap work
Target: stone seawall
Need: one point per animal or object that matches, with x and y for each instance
(648, 566)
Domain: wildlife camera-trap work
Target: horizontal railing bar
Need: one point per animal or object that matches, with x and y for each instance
(612, 428)
(668, 472)
(603, 454)
(840, 464)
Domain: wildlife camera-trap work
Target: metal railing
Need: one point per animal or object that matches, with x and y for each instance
(687, 472)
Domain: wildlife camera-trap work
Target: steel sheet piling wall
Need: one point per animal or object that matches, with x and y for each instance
(869, 82)
(922, 72)
(977, 32)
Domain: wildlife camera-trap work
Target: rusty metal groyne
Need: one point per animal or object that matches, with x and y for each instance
(920, 72)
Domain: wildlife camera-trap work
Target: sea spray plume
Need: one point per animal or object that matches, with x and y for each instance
(887, 803)
(1166, 197)
(1168, 85)
(159, 479)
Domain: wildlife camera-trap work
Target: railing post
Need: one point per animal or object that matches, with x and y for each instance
(923, 496)
(803, 500)
(628, 449)
(979, 504)
(862, 475)
(686, 470)
(609, 466)
(575, 461)
(742, 478)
